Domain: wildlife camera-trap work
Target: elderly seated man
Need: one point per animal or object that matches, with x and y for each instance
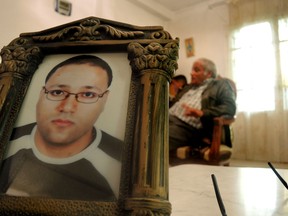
(193, 109)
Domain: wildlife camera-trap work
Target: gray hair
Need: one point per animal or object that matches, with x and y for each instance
(208, 66)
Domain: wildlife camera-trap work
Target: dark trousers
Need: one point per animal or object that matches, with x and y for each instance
(183, 134)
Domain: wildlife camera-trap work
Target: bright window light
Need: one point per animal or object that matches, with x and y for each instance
(254, 68)
(283, 41)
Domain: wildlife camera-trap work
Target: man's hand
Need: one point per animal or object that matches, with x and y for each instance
(192, 112)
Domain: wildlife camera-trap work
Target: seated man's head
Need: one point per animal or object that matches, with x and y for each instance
(202, 69)
(71, 101)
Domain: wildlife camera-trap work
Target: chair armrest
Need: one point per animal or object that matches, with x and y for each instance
(217, 134)
(225, 119)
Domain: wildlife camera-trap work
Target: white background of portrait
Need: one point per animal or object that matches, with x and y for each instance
(113, 118)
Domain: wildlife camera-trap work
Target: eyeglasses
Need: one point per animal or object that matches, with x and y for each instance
(81, 97)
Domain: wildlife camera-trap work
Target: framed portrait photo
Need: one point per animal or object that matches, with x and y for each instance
(83, 120)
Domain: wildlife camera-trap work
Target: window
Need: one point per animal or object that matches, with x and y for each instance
(283, 42)
(257, 49)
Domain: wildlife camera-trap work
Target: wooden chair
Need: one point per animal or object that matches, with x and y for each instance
(220, 150)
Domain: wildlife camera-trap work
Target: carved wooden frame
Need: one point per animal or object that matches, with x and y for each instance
(153, 59)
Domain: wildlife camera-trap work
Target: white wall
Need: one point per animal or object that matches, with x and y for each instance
(18, 16)
(209, 29)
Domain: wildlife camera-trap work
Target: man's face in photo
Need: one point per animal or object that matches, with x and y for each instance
(69, 121)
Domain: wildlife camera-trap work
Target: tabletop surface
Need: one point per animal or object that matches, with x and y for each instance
(244, 191)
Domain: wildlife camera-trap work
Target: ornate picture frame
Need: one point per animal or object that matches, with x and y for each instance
(152, 55)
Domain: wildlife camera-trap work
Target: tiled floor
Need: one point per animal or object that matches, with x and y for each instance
(242, 163)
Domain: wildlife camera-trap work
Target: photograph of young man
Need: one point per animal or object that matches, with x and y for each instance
(63, 155)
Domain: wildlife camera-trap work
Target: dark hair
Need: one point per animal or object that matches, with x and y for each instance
(180, 78)
(84, 59)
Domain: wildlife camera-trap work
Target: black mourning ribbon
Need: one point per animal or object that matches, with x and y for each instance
(278, 175)
(218, 195)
